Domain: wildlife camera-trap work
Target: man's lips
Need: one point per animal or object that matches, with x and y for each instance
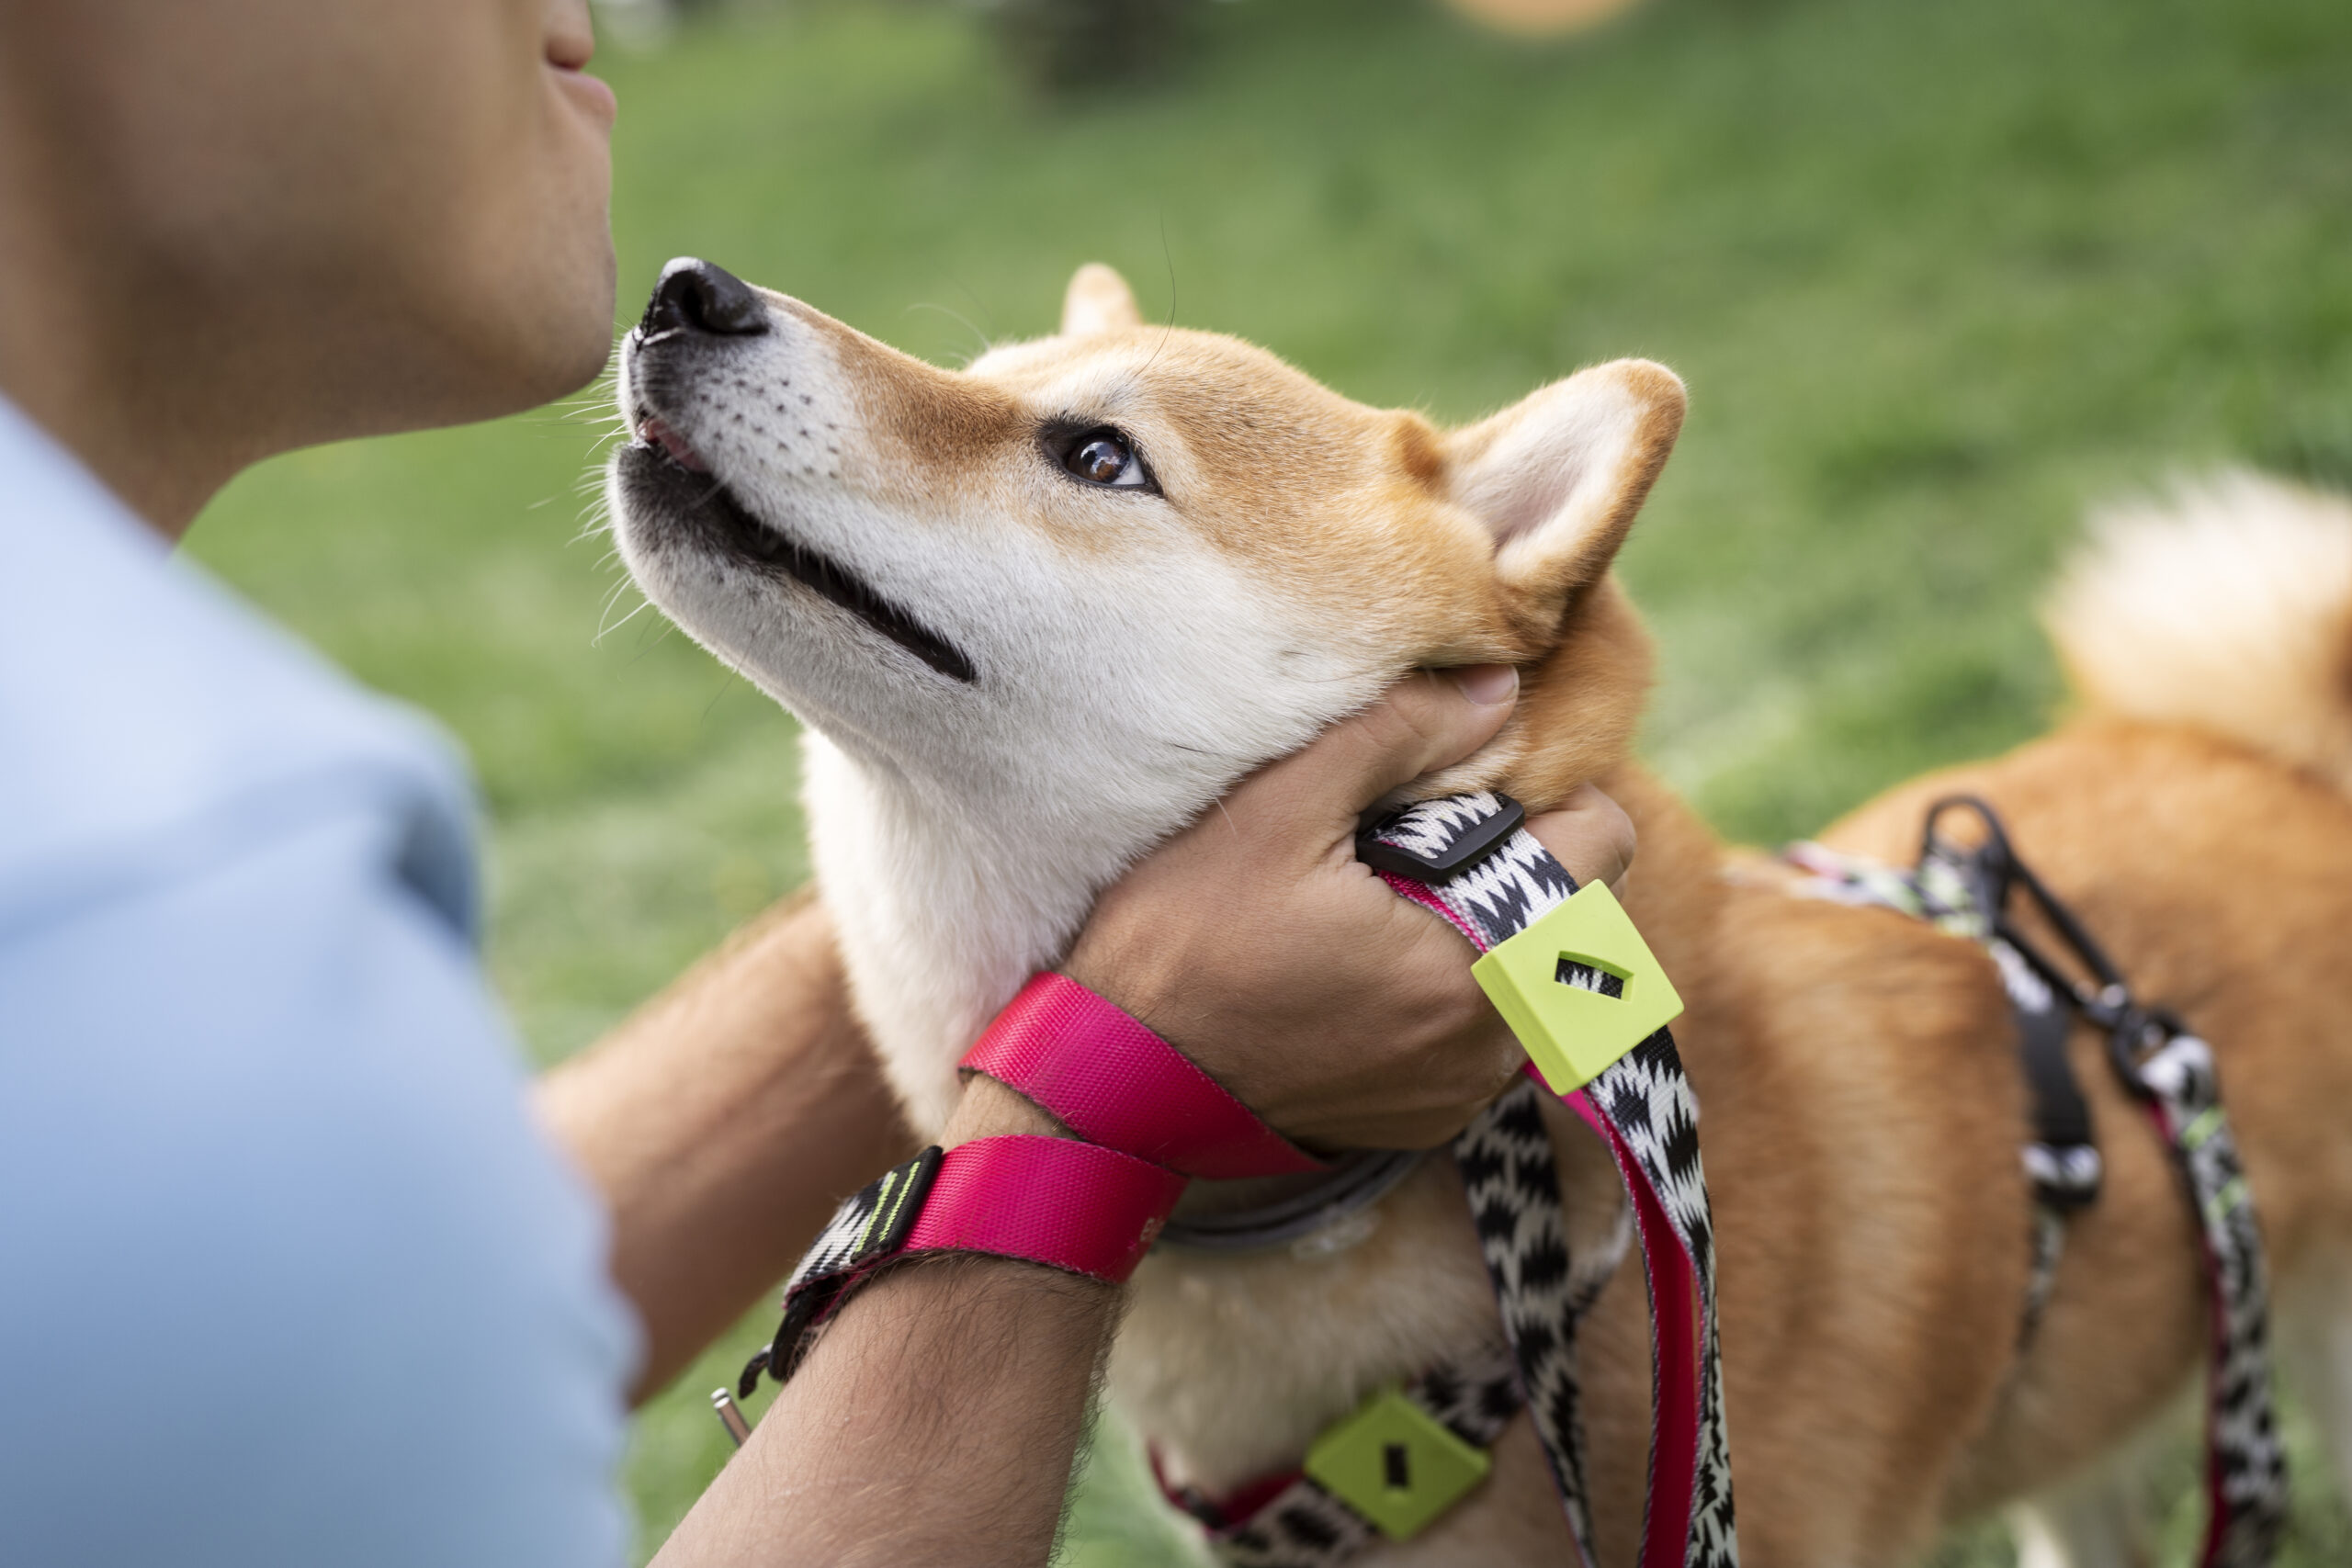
(592, 94)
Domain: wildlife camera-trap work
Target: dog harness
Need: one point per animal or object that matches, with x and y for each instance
(1588, 1002)
(2171, 1072)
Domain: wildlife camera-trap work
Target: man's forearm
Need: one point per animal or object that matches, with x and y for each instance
(937, 1421)
(934, 1421)
(722, 1122)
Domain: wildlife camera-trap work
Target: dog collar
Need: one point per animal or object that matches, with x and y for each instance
(1352, 1182)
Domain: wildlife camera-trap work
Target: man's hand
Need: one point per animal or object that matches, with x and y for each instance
(1256, 943)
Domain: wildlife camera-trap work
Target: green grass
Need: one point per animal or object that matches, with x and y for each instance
(1938, 276)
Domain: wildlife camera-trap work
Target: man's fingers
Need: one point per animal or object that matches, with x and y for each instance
(1427, 721)
(1430, 719)
(1590, 835)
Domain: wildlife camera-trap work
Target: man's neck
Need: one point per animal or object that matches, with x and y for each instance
(165, 481)
(112, 392)
(119, 353)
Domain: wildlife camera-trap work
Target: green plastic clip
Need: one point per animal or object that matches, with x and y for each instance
(1395, 1464)
(1541, 982)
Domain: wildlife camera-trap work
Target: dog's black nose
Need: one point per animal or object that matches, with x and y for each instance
(696, 297)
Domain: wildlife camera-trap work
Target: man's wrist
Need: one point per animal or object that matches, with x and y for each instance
(991, 1110)
(1122, 986)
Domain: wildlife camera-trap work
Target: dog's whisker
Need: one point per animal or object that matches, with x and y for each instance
(664, 625)
(724, 687)
(604, 631)
(962, 320)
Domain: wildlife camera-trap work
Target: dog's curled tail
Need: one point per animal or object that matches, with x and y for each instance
(2227, 606)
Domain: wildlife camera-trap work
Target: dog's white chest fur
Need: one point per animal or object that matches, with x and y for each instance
(942, 916)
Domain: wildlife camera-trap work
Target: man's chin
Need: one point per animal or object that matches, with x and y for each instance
(580, 327)
(551, 341)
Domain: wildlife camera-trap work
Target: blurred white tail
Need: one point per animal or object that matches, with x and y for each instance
(2228, 607)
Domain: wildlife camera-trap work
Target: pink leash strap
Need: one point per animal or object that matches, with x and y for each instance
(1678, 1307)
(1054, 1201)
(1116, 1083)
(1066, 1204)
(1466, 857)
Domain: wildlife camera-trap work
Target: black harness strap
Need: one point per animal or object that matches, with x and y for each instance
(2062, 1156)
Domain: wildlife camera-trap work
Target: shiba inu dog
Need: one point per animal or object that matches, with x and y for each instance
(1038, 614)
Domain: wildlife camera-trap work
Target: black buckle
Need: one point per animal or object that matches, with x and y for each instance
(899, 1194)
(1481, 839)
(2065, 1177)
(873, 1222)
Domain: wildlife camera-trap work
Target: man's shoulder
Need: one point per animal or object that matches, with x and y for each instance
(254, 1092)
(268, 1106)
(153, 721)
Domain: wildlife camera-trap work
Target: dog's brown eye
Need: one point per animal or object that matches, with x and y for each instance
(1103, 458)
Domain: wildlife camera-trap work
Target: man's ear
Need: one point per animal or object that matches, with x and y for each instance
(1098, 300)
(1557, 477)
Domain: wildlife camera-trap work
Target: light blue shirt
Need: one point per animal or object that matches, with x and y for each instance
(287, 1276)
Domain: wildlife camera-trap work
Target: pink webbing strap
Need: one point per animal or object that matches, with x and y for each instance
(1116, 1083)
(1052, 1200)
(1675, 1310)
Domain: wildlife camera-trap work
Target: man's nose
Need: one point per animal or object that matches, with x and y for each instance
(696, 297)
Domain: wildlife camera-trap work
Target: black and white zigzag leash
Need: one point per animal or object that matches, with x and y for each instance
(1644, 1111)
(2172, 1073)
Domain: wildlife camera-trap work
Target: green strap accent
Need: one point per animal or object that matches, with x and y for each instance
(2230, 1198)
(895, 1184)
(1571, 1034)
(1396, 1464)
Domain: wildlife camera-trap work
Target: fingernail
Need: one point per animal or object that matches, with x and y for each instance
(1488, 684)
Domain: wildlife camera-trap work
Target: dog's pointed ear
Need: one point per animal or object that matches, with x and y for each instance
(1557, 477)
(1098, 300)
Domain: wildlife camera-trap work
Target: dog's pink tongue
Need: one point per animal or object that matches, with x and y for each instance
(673, 443)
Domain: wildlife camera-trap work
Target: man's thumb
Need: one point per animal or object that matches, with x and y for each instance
(1429, 720)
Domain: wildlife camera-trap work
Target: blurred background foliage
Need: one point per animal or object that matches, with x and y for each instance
(1939, 277)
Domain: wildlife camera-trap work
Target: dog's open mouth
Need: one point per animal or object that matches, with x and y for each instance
(685, 488)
